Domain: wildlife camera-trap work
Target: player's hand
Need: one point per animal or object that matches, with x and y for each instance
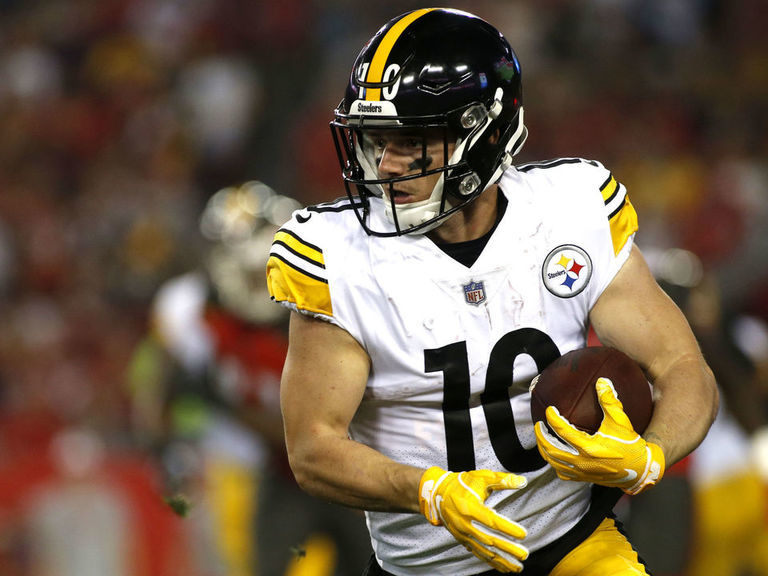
(615, 455)
(457, 501)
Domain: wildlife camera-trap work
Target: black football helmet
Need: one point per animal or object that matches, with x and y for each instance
(430, 71)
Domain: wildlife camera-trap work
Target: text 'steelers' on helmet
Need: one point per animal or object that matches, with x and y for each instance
(442, 72)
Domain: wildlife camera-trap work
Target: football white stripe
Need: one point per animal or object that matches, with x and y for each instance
(617, 200)
(299, 263)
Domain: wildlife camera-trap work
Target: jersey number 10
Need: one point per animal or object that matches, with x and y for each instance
(453, 362)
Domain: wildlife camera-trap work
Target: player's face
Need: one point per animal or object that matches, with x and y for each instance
(401, 154)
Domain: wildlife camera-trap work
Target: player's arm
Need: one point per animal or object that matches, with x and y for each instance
(324, 378)
(323, 381)
(636, 316)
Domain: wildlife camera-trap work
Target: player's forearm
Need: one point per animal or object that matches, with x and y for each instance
(685, 405)
(346, 472)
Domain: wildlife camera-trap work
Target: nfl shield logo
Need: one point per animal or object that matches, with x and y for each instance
(474, 293)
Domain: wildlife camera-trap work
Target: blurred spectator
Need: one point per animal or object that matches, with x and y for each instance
(205, 386)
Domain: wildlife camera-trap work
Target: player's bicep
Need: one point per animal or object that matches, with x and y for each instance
(636, 316)
(323, 381)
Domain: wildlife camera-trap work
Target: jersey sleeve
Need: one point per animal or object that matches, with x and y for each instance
(589, 208)
(621, 215)
(296, 272)
(616, 221)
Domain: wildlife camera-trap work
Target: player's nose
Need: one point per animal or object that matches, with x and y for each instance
(393, 163)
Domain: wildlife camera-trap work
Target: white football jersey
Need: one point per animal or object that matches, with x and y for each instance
(453, 349)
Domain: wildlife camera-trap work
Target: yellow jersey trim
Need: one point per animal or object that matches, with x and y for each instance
(296, 274)
(622, 216)
(303, 250)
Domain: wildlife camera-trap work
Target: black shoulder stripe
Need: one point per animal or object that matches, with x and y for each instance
(616, 190)
(619, 207)
(613, 195)
(550, 163)
(299, 238)
(295, 253)
(301, 270)
(337, 205)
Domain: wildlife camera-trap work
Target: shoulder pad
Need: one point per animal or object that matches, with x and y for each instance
(296, 272)
(591, 175)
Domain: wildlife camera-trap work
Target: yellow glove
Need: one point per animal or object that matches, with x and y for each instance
(457, 501)
(615, 455)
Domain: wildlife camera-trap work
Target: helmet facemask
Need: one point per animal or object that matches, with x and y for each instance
(477, 146)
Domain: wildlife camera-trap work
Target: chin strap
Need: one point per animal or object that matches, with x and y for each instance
(416, 213)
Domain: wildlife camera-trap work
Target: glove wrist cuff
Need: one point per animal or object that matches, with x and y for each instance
(654, 469)
(430, 480)
(657, 455)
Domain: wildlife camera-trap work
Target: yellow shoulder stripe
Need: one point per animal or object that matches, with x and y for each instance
(623, 225)
(302, 249)
(608, 189)
(622, 217)
(287, 283)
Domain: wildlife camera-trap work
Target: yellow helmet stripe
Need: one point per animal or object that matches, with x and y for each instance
(379, 61)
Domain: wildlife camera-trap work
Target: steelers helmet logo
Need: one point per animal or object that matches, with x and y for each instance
(566, 270)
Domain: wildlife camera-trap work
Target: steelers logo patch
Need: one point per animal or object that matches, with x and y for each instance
(566, 270)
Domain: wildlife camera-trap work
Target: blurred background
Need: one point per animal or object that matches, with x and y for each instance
(119, 119)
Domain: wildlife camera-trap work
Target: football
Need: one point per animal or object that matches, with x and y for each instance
(568, 383)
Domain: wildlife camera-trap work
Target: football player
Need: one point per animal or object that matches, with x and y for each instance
(223, 344)
(427, 299)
